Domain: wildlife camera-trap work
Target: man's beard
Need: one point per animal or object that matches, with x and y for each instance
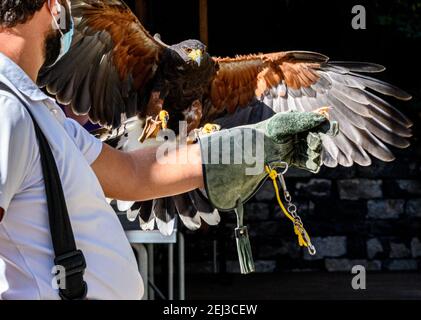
(52, 47)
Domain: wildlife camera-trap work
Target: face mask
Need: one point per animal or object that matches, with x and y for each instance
(66, 38)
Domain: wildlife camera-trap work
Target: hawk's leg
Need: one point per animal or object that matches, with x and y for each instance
(208, 128)
(156, 117)
(193, 117)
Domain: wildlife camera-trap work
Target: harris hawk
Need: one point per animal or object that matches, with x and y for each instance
(116, 70)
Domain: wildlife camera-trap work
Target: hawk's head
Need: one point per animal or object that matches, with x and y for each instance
(191, 52)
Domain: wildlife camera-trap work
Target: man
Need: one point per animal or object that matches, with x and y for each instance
(91, 171)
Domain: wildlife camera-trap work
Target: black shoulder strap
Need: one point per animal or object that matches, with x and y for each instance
(66, 254)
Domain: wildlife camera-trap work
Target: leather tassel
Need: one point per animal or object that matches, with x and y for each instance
(245, 255)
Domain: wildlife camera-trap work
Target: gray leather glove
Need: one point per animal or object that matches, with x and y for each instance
(234, 159)
(234, 162)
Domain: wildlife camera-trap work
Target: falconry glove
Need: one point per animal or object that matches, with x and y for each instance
(234, 161)
(233, 167)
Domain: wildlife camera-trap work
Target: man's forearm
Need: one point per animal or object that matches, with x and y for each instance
(175, 175)
(138, 175)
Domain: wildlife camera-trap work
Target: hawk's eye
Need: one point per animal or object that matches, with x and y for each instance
(188, 50)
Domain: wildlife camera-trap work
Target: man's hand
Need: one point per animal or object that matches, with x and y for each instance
(138, 176)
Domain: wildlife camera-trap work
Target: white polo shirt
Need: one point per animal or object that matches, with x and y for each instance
(26, 253)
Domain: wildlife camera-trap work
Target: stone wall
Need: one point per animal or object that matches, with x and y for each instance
(369, 216)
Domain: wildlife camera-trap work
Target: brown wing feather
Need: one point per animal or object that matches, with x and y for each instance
(111, 60)
(243, 78)
(305, 81)
(235, 83)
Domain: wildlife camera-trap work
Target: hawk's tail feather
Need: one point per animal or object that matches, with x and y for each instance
(124, 205)
(208, 213)
(164, 211)
(211, 218)
(146, 216)
(187, 211)
(191, 207)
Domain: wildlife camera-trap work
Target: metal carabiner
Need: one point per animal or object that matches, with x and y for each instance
(311, 250)
(282, 182)
(286, 168)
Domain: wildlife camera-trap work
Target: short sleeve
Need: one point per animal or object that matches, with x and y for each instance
(17, 140)
(90, 146)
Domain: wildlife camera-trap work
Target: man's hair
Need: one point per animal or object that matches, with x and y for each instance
(14, 12)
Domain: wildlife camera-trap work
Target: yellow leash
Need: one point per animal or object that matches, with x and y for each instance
(303, 237)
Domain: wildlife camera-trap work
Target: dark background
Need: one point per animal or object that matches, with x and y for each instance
(369, 216)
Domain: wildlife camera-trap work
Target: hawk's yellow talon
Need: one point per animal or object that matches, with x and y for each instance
(154, 125)
(210, 128)
(324, 111)
(164, 117)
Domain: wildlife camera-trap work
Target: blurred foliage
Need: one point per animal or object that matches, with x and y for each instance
(404, 16)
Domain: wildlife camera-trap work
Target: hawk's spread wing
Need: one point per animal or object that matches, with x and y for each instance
(111, 60)
(305, 81)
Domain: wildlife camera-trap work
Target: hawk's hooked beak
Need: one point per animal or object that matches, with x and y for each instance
(196, 55)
